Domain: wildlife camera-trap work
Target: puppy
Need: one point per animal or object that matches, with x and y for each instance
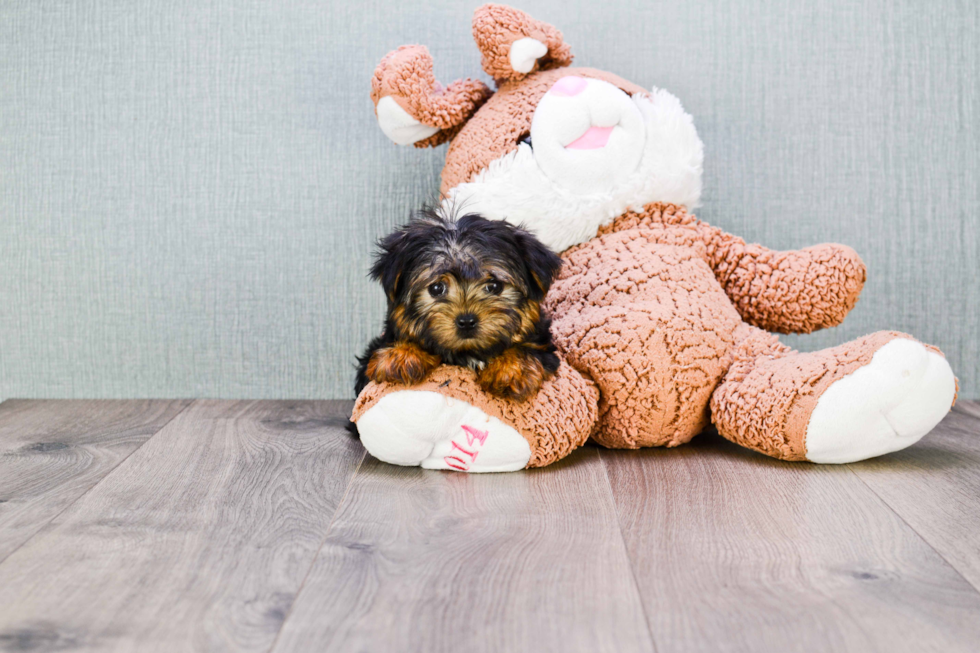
(464, 292)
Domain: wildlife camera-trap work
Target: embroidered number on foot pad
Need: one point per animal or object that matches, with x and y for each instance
(475, 439)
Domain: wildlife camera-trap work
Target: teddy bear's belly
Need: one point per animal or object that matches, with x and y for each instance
(650, 324)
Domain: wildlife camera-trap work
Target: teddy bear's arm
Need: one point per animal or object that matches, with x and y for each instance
(793, 291)
(412, 107)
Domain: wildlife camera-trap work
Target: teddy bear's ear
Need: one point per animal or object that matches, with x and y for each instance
(412, 107)
(513, 44)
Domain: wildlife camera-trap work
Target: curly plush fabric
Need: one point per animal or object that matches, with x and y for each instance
(497, 27)
(406, 76)
(795, 291)
(555, 422)
(646, 309)
(646, 319)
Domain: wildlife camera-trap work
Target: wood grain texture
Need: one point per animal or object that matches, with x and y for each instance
(935, 487)
(733, 551)
(52, 452)
(248, 526)
(434, 561)
(197, 542)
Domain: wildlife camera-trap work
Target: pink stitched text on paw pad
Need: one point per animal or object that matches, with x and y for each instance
(466, 456)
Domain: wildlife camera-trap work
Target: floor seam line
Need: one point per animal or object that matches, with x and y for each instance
(319, 549)
(629, 560)
(913, 529)
(97, 483)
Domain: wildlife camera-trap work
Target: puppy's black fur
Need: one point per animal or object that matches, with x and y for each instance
(463, 291)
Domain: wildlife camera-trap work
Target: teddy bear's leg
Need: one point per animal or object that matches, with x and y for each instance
(656, 365)
(868, 397)
(649, 323)
(448, 422)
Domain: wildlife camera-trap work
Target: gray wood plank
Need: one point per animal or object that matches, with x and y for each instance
(935, 487)
(440, 561)
(198, 541)
(52, 452)
(737, 552)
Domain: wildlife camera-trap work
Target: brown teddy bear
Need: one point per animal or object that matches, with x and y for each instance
(663, 321)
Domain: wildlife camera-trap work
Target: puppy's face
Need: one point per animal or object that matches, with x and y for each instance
(467, 305)
(466, 286)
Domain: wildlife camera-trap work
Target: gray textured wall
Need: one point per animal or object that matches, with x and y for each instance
(189, 190)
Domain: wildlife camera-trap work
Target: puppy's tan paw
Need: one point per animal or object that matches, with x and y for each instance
(513, 375)
(403, 363)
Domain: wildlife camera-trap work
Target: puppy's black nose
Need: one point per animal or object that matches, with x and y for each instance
(466, 321)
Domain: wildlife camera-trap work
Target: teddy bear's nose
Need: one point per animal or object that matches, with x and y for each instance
(569, 86)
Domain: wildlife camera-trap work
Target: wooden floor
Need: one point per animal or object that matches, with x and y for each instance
(262, 526)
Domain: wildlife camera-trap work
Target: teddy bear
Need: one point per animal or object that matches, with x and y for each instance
(665, 324)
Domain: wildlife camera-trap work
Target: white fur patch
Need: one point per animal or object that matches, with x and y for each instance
(885, 406)
(524, 53)
(561, 119)
(418, 428)
(516, 189)
(398, 125)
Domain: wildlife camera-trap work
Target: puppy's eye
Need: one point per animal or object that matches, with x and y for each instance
(527, 140)
(438, 289)
(494, 287)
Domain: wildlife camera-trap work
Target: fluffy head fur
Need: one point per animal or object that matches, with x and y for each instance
(463, 291)
(519, 187)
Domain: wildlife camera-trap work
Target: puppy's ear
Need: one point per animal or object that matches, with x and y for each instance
(393, 259)
(542, 265)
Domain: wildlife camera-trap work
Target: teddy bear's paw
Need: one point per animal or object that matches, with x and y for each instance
(412, 107)
(885, 406)
(398, 125)
(420, 428)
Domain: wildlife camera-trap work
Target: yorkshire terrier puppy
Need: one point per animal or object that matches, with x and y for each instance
(464, 292)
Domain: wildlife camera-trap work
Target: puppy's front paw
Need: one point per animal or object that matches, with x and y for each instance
(513, 375)
(404, 363)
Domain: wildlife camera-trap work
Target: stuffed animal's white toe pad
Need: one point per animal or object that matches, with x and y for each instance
(398, 125)
(524, 53)
(885, 406)
(418, 428)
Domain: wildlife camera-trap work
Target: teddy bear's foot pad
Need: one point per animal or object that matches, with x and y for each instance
(419, 428)
(885, 406)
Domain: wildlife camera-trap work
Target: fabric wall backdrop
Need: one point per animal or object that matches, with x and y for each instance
(190, 190)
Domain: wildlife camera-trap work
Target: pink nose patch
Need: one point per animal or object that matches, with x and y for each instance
(592, 139)
(569, 86)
